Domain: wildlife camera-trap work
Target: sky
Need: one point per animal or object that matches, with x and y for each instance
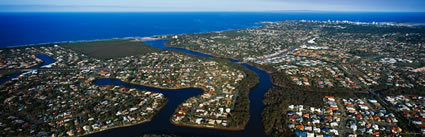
(210, 5)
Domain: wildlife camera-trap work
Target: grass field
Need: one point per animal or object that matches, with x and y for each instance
(108, 49)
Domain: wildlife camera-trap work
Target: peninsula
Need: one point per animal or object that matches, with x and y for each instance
(63, 99)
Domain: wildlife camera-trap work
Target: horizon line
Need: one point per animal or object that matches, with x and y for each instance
(246, 11)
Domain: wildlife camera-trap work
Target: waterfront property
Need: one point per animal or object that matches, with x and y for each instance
(53, 92)
(60, 99)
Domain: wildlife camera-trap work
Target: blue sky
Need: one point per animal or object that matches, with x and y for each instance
(211, 5)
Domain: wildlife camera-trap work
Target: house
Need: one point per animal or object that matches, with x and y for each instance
(198, 120)
(316, 130)
(334, 124)
(299, 119)
(300, 127)
(310, 134)
(334, 131)
(291, 126)
(308, 128)
(291, 107)
(354, 127)
(364, 107)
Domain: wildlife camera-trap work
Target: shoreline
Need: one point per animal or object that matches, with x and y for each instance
(170, 119)
(121, 126)
(143, 39)
(205, 127)
(261, 68)
(126, 125)
(216, 56)
(138, 84)
(228, 58)
(217, 128)
(209, 54)
(256, 24)
(119, 38)
(203, 91)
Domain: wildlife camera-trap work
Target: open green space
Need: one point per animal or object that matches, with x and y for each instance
(109, 49)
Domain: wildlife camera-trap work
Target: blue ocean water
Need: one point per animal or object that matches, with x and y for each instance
(34, 28)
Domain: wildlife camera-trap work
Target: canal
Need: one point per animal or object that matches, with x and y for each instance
(161, 124)
(46, 61)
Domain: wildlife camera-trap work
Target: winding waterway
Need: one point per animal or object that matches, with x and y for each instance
(161, 124)
(46, 61)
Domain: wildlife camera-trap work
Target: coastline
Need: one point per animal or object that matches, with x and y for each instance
(119, 38)
(147, 39)
(126, 125)
(255, 25)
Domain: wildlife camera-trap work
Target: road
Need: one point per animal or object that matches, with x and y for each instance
(285, 53)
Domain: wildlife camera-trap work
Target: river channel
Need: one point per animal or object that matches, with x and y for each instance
(46, 61)
(161, 124)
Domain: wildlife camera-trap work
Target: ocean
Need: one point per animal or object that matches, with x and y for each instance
(17, 29)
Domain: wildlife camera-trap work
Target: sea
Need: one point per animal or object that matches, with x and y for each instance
(25, 28)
